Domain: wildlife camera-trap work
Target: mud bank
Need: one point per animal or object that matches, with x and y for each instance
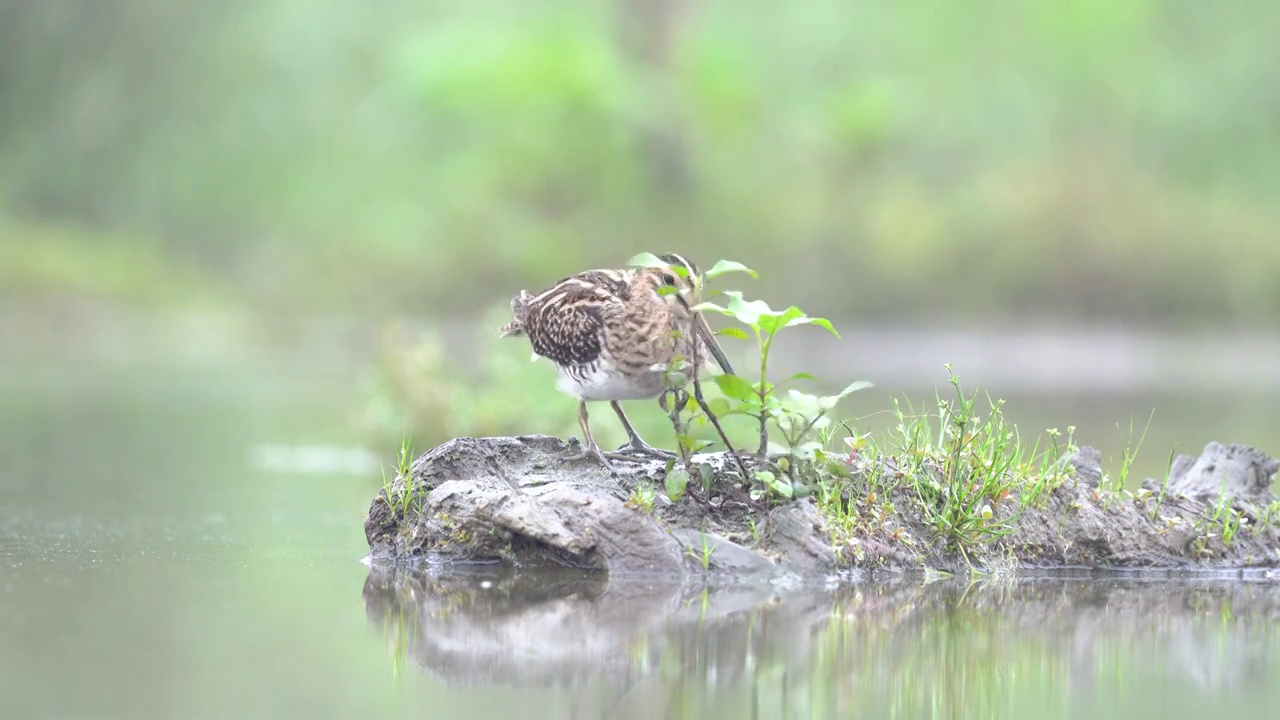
(514, 502)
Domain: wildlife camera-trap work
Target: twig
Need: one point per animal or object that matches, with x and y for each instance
(697, 395)
(674, 414)
(764, 426)
(715, 422)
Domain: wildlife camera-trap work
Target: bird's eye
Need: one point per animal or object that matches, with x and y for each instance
(669, 279)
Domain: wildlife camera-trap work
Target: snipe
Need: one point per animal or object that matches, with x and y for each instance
(613, 333)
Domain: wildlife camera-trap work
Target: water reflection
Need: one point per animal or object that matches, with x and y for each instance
(943, 649)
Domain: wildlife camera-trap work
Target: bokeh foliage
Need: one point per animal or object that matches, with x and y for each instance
(972, 159)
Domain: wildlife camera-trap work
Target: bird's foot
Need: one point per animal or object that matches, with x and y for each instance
(640, 447)
(593, 451)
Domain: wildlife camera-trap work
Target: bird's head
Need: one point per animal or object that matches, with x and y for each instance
(679, 284)
(677, 281)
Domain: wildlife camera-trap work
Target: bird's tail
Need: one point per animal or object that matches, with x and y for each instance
(519, 303)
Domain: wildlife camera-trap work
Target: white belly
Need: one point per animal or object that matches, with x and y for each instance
(596, 382)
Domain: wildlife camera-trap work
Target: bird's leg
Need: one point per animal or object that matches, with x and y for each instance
(592, 450)
(637, 444)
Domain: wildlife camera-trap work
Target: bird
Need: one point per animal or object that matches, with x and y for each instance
(613, 334)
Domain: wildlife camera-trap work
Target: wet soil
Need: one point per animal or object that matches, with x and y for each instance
(516, 502)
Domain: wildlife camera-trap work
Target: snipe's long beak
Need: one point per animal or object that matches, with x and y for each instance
(703, 330)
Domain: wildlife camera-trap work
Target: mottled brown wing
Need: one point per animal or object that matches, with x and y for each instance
(564, 323)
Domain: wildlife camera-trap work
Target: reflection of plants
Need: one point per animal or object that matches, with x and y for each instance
(399, 630)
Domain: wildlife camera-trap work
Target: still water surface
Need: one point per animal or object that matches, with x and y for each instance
(165, 554)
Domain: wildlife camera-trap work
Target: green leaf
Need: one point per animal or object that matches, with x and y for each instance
(802, 376)
(824, 323)
(794, 316)
(734, 332)
(747, 312)
(727, 266)
(719, 407)
(803, 403)
(772, 322)
(825, 402)
(708, 305)
(735, 387)
(706, 474)
(807, 449)
(677, 481)
(773, 483)
(768, 479)
(687, 442)
(777, 448)
(646, 259)
(854, 387)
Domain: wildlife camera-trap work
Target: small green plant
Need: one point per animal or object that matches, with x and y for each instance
(704, 553)
(796, 414)
(1129, 454)
(1164, 486)
(974, 470)
(1231, 524)
(642, 498)
(800, 418)
(1225, 516)
(405, 457)
(707, 551)
(1045, 471)
(677, 481)
(968, 473)
(400, 490)
(388, 484)
(1267, 516)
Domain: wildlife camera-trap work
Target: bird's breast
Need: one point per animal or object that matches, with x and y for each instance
(604, 380)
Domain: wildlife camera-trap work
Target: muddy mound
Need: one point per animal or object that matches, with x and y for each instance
(515, 501)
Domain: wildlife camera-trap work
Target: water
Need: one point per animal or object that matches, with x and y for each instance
(1044, 647)
(181, 536)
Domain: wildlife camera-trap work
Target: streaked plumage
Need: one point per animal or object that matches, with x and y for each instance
(612, 333)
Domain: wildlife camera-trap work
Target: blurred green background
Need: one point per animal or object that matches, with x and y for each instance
(941, 160)
(246, 246)
(1070, 199)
